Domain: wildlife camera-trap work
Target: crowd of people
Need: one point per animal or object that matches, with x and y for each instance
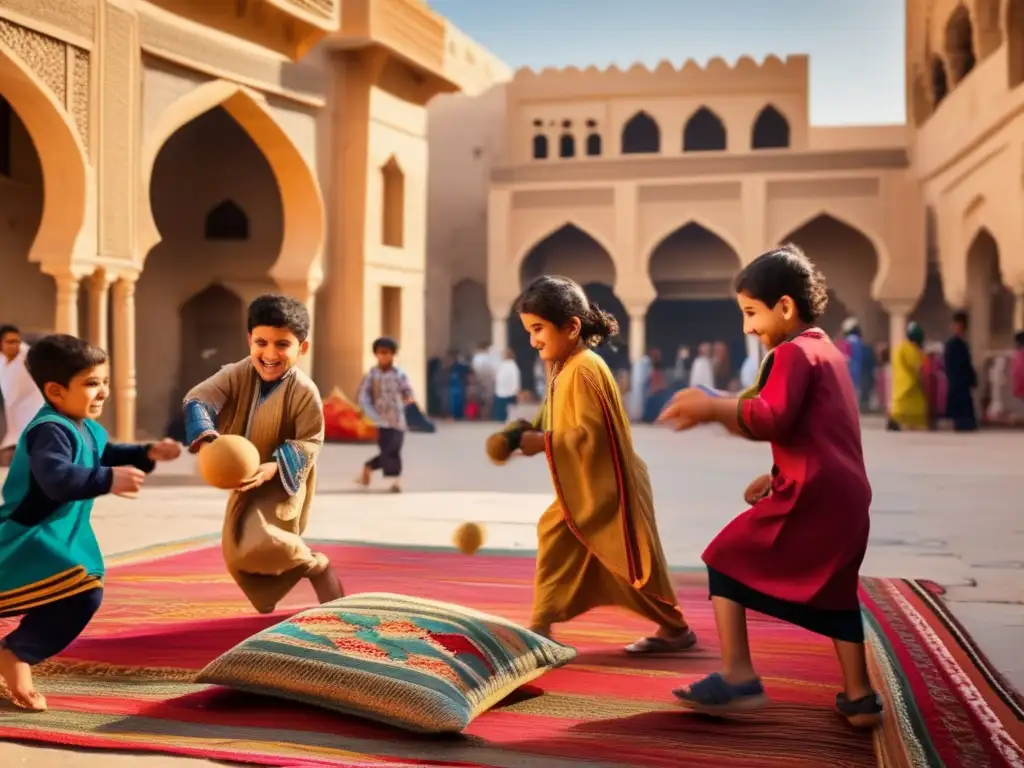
(920, 384)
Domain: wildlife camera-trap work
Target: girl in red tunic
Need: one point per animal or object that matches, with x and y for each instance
(796, 553)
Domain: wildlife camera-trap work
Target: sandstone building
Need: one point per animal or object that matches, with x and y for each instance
(162, 163)
(653, 186)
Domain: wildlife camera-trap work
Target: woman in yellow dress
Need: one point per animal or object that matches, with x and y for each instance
(909, 408)
(598, 542)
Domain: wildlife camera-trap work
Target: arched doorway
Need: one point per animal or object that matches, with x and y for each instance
(571, 252)
(471, 317)
(990, 301)
(692, 270)
(215, 318)
(218, 209)
(932, 312)
(849, 262)
(27, 295)
(44, 197)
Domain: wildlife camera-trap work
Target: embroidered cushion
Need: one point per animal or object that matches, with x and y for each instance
(418, 664)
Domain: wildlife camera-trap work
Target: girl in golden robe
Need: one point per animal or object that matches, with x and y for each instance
(598, 542)
(278, 408)
(909, 408)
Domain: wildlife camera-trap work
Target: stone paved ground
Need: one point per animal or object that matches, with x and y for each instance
(947, 507)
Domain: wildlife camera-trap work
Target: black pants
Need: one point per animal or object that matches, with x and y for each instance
(389, 441)
(845, 625)
(49, 629)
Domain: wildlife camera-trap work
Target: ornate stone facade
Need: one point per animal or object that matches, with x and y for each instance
(654, 185)
(186, 158)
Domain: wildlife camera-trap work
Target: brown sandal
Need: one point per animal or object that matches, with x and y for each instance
(655, 644)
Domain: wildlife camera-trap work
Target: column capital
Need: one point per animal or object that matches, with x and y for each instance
(636, 305)
(66, 274)
(898, 306)
(302, 286)
(102, 278)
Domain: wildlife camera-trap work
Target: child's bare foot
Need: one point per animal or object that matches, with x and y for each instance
(327, 586)
(363, 478)
(17, 674)
(324, 580)
(544, 630)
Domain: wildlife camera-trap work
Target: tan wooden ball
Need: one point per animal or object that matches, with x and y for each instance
(468, 538)
(228, 461)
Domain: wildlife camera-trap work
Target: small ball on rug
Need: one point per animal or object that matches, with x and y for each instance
(228, 461)
(468, 538)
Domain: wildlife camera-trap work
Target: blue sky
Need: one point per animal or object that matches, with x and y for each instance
(856, 48)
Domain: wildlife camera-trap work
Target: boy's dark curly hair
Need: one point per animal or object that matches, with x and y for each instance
(276, 311)
(785, 271)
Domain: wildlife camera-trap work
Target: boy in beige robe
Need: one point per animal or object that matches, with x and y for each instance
(278, 408)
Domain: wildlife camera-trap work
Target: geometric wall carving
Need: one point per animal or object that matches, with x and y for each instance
(50, 59)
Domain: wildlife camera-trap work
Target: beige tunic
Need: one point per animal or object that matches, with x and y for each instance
(262, 535)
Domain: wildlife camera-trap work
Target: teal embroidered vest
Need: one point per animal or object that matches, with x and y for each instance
(59, 556)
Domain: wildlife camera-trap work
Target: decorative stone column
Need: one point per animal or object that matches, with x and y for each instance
(899, 312)
(637, 333)
(125, 393)
(66, 315)
(99, 305)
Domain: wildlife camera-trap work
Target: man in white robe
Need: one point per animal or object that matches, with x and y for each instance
(22, 398)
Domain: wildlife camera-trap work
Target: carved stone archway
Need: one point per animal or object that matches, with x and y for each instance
(851, 260)
(298, 269)
(692, 267)
(66, 237)
(881, 249)
(576, 253)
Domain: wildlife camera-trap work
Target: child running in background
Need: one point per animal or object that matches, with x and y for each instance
(598, 542)
(51, 569)
(383, 395)
(266, 398)
(796, 553)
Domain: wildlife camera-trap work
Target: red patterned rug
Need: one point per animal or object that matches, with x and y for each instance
(125, 684)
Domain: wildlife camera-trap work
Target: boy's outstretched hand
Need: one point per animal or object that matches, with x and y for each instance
(165, 450)
(687, 408)
(127, 481)
(263, 474)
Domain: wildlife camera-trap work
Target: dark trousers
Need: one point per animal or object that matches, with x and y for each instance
(49, 629)
(501, 406)
(389, 441)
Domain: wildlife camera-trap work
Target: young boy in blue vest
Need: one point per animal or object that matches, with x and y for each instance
(52, 573)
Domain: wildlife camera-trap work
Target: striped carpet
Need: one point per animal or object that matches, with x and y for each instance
(126, 684)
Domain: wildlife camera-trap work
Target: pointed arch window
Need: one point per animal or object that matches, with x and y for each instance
(226, 221)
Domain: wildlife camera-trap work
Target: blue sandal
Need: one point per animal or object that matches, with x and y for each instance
(860, 713)
(714, 696)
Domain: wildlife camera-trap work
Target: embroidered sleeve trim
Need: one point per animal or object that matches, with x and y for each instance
(200, 423)
(293, 464)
